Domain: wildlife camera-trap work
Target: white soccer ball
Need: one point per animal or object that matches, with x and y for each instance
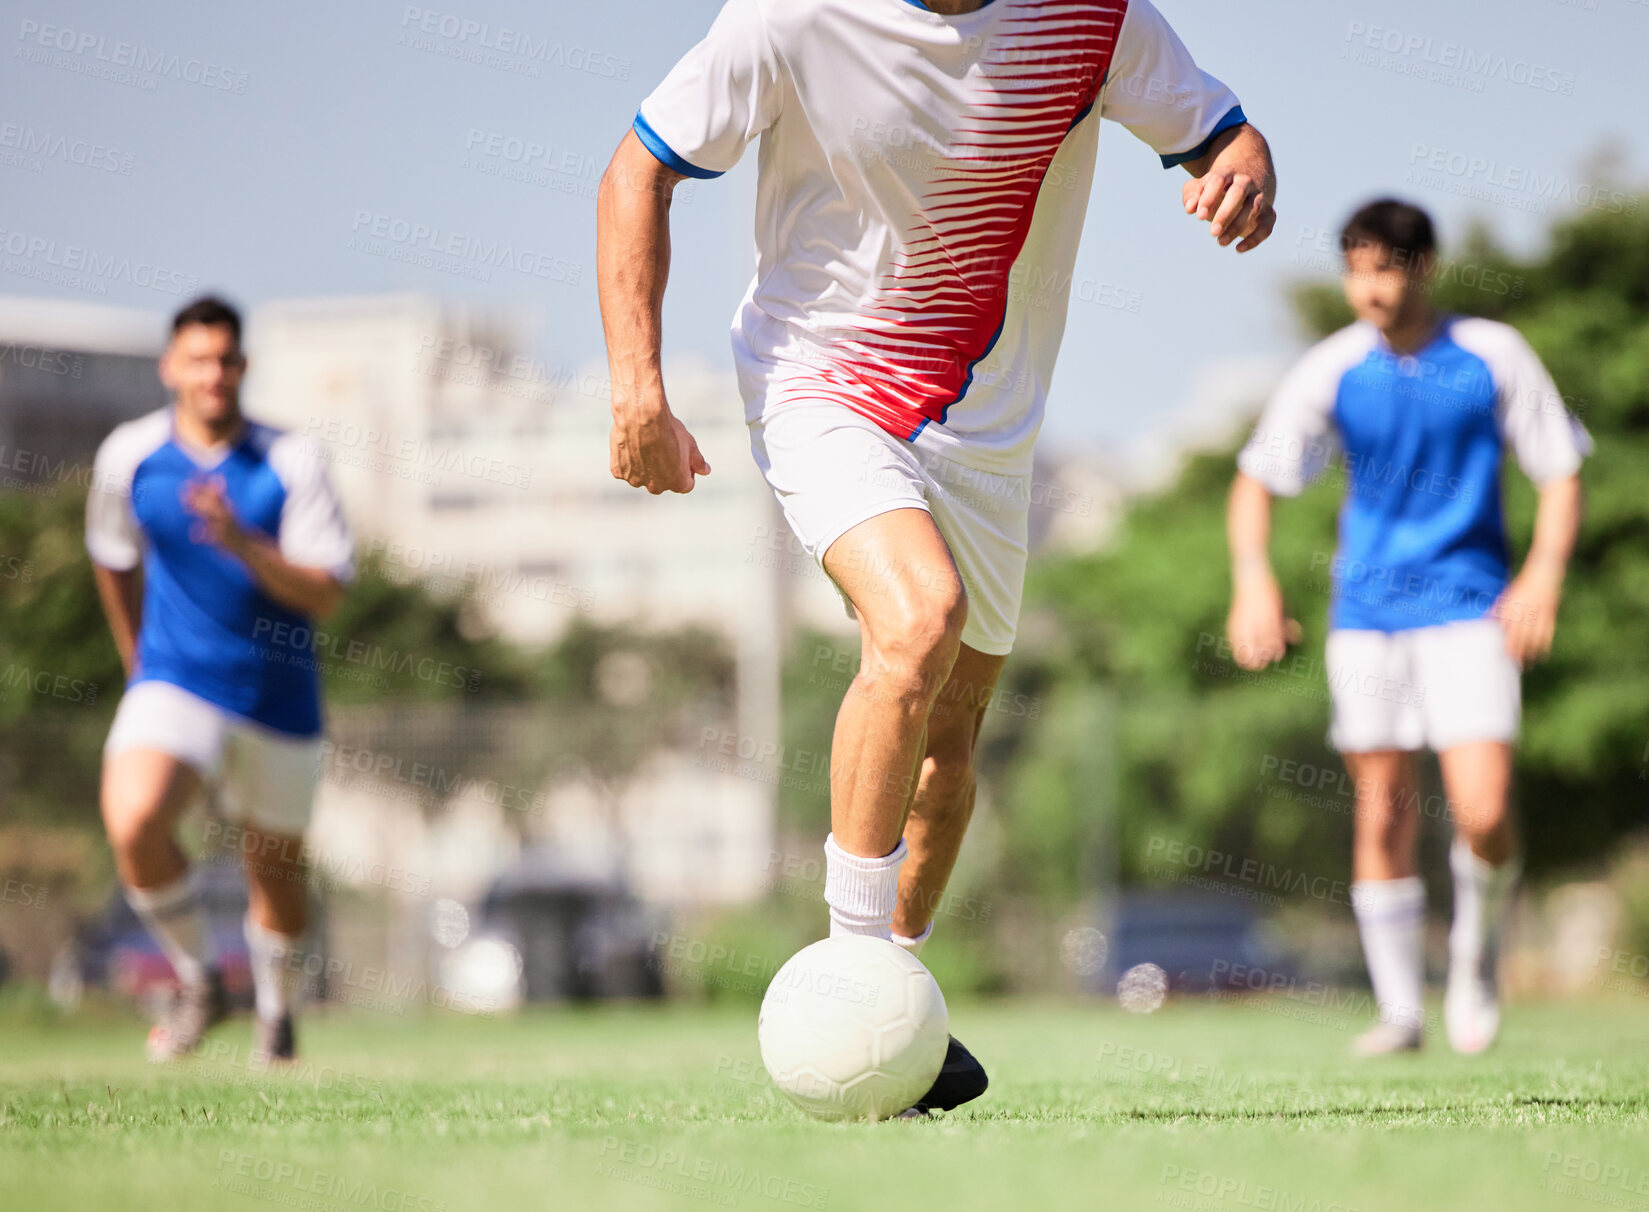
(853, 1028)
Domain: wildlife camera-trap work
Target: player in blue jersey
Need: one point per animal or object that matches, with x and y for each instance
(1428, 628)
(214, 541)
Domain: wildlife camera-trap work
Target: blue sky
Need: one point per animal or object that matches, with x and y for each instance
(245, 148)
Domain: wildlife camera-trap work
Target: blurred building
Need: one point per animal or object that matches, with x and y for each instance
(69, 373)
(467, 463)
(462, 457)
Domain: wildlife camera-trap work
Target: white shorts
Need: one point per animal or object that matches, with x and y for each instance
(1425, 688)
(263, 778)
(832, 468)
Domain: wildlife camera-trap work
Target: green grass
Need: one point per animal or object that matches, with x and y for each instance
(1204, 1107)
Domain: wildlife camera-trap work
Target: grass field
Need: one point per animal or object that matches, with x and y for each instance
(1217, 1108)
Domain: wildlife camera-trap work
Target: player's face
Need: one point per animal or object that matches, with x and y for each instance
(203, 366)
(1384, 288)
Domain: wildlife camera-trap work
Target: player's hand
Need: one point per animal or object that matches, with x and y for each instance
(1258, 626)
(217, 524)
(1527, 613)
(651, 449)
(1235, 194)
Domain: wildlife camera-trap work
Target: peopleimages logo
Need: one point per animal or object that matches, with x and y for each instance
(77, 49)
(48, 145)
(482, 36)
(1481, 176)
(42, 358)
(461, 248)
(86, 268)
(1448, 62)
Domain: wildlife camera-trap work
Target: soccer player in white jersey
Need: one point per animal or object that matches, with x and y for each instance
(1428, 629)
(215, 542)
(924, 170)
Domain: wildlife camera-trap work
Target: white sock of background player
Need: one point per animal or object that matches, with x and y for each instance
(1481, 894)
(174, 917)
(1391, 917)
(277, 970)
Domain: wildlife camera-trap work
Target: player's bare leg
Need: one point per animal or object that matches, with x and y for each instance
(891, 739)
(144, 793)
(938, 819)
(945, 788)
(276, 917)
(898, 572)
(1388, 897)
(1477, 778)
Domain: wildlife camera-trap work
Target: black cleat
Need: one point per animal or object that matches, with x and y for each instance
(961, 1080)
(273, 1042)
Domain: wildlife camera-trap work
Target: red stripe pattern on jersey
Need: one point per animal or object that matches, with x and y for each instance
(939, 307)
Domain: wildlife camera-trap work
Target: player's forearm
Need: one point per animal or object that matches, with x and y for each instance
(309, 591)
(632, 267)
(1556, 526)
(1248, 530)
(121, 592)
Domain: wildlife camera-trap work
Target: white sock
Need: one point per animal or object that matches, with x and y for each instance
(174, 917)
(914, 945)
(861, 892)
(1481, 894)
(1391, 917)
(277, 970)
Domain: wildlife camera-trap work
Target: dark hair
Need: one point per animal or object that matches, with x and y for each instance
(211, 311)
(1400, 226)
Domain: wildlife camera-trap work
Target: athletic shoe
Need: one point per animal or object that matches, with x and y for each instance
(1383, 1039)
(273, 1041)
(1471, 1013)
(961, 1079)
(194, 1010)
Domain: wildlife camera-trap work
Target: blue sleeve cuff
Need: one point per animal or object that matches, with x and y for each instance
(1233, 117)
(665, 153)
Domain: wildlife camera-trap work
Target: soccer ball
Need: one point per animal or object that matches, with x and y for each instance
(853, 1028)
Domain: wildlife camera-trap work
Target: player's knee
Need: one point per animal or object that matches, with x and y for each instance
(927, 631)
(1480, 819)
(289, 916)
(1381, 827)
(132, 816)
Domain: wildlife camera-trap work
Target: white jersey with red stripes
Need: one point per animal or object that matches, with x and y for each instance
(923, 180)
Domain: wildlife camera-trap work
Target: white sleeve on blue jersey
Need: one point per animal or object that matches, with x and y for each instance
(113, 538)
(1295, 437)
(723, 93)
(1158, 92)
(1547, 440)
(313, 532)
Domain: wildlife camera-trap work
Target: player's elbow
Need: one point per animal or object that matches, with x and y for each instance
(634, 172)
(1245, 488)
(325, 598)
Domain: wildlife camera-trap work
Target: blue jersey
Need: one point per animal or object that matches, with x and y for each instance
(1420, 440)
(206, 626)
